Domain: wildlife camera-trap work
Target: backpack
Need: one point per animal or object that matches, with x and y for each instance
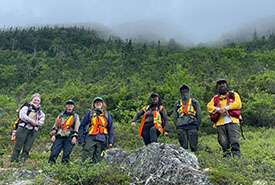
(18, 120)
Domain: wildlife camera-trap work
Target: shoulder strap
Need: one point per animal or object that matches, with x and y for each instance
(216, 100)
(231, 94)
(230, 97)
(29, 109)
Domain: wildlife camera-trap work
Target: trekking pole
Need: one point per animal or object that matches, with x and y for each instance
(241, 127)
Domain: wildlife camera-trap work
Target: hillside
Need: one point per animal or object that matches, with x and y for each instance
(75, 63)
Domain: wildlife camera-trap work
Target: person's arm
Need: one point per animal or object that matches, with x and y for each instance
(110, 130)
(76, 125)
(165, 119)
(141, 112)
(41, 119)
(81, 129)
(211, 108)
(135, 118)
(175, 113)
(54, 128)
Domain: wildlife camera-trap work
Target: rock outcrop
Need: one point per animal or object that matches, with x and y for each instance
(159, 163)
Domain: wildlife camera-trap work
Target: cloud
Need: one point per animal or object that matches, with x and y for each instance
(200, 20)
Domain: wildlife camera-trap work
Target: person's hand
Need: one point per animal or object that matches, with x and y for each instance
(53, 139)
(165, 134)
(133, 124)
(34, 123)
(74, 140)
(223, 111)
(110, 145)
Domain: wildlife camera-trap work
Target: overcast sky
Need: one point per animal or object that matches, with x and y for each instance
(202, 19)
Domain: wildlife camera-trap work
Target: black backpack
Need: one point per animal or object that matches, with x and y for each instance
(18, 120)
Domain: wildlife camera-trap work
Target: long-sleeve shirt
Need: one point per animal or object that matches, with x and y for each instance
(237, 104)
(28, 119)
(150, 118)
(57, 130)
(100, 137)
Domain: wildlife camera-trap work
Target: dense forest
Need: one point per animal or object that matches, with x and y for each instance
(75, 63)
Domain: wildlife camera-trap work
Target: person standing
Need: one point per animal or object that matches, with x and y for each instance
(187, 118)
(30, 118)
(64, 133)
(93, 131)
(154, 119)
(224, 109)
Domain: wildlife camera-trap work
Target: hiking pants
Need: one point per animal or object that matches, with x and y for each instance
(92, 149)
(188, 136)
(229, 139)
(150, 133)
(64, 143)
(25, 139)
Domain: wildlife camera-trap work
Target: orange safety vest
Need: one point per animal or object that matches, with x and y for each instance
(156, 116)
(68, 123)
(98, 124)
(186, 109)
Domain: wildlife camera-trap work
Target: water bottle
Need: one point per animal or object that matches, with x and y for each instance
(13, 136)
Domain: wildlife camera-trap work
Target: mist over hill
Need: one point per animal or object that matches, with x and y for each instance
(154, 30)
(259, 28)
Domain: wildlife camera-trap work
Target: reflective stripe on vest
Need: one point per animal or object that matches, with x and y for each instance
(186, 109)
(98, 124)
(68, 123)
(157, 118)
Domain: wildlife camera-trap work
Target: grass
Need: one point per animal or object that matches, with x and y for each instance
(256, 164)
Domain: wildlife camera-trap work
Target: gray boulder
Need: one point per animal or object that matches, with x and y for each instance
(159, 163)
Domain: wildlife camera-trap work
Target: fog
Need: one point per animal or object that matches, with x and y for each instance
(184, 20)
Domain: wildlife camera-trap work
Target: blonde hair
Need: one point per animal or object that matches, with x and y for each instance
(104, 107)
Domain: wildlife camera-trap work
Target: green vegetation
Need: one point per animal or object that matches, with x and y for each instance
(74, 63)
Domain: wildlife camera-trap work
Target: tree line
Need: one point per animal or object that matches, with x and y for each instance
(76, 63)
